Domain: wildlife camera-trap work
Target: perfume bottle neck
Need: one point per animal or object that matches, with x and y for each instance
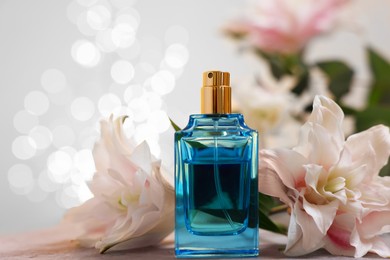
(216, 93)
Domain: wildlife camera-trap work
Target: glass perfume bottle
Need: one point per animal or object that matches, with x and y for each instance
(216, 185)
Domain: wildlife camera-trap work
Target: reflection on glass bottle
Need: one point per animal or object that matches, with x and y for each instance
(216, 179)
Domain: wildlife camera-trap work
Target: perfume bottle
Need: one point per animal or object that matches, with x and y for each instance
(216, 185)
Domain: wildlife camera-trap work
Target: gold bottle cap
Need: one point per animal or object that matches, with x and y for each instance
(216, 93)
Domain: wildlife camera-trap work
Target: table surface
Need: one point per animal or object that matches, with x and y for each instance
(54, 243)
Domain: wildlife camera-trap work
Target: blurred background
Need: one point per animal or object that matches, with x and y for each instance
(67, 64)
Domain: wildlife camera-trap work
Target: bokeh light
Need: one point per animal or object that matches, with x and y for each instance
(128, 94)
(83, 25)
(85, 53)
(143, 132)
(67, 197)
(133, 91)
(53, 80)
(140, 109)
(122, 72)
(75, 177)
(21, 179)
(63, 135)
(128, 16)
(122, 111)
(83, 192)
(163, 82)
(176, 72)
(129, 128)
(73, 11)
(132, 52)
(108, 103)
(87, 3)
(24, 147)
(82, 108)
(125, 27)
(154, 100)
(59, 164)
(99, 17)
(46, 184)
(123, 35)
(117, 89)
(176, 55)
(83, 161)
(87, 137)
(141, 73)
(104, 41)
(24, 121)
(79, 186)
(123, 4)
(42, 136)
(36, 102)
(152, 57)
(61, 98)
(159, 121)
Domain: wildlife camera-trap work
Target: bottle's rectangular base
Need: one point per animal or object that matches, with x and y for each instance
(213, 253)
(188, 245)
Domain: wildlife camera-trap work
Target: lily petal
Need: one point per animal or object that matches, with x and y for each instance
(338, 237)
(375, 223)
(279, 170)
(322, 133)
(142, 157)
(371, 148)
(318, 145)
(329, 115)
(91, 220)
(322, 215)
(307, 237)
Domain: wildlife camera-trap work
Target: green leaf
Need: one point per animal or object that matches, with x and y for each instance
(374, 115)
(371, 116)
(235, 34)
(348, 110)
(196, 144)
(291, 65)
(174, 125)
(380, 88)
(276, 63)
(124, 119)
(266, 203)
(385, 171)
(302, 84)
(266, 223)
(339, 76)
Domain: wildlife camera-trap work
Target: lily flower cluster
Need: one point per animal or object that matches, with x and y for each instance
(338, 202)
(133, 205)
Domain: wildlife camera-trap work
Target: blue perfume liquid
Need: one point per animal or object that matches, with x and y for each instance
(216, 188)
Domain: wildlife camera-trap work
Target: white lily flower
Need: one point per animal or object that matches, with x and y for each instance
(338, 201)
(133, 206)
(269, 110)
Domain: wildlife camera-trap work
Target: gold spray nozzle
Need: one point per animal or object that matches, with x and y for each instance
(216, 93)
